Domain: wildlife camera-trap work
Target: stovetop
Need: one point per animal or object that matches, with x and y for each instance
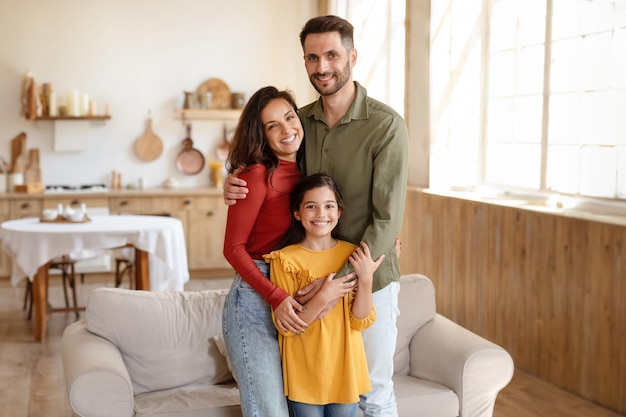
(81, 188)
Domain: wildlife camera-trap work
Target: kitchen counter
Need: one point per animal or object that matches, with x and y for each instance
(150, 192)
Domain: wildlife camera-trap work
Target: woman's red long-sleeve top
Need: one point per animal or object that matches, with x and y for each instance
(256, 224)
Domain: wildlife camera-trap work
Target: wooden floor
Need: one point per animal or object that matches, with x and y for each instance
(31, 373)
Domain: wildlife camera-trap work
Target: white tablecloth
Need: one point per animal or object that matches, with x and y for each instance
(33, 243)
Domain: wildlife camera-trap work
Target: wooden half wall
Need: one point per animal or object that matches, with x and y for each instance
(549, 289)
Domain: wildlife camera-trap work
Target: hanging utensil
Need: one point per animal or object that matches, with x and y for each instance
(222, 149)
(149, 146)
(189, 161)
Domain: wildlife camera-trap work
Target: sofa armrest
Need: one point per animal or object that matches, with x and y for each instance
(96, 378)
(475, 368)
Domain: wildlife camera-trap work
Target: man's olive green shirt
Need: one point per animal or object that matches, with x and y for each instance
(366, 153)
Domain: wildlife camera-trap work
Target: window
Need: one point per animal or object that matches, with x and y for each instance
(379, 33)
(529, 95)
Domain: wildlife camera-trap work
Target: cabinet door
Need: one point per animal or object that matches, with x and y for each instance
(5, 259)
(206, 227)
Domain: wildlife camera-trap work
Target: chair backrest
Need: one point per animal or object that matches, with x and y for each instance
(92, 261)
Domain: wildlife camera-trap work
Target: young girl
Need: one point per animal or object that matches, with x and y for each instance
(324, 367)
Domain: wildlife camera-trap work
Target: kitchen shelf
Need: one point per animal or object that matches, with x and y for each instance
(209, 114)
(107, 117)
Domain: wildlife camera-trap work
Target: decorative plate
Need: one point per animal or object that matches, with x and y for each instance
(220, 93)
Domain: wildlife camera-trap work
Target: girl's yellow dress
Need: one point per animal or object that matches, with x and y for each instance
(325, 364)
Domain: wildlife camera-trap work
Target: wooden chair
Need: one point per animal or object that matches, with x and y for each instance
(69, 265)
(66, 265)
(124, 262)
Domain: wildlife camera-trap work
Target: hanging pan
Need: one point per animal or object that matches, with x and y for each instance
(189, 161)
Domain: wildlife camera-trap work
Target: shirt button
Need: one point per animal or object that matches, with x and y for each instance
(326, 150)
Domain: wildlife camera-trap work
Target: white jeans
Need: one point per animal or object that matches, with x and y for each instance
(380, 346)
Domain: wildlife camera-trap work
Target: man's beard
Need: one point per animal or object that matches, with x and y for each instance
(342, 79)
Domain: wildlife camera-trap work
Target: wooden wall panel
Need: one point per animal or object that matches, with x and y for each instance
(549, 289)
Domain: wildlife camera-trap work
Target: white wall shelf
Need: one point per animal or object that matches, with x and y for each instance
(208, 114)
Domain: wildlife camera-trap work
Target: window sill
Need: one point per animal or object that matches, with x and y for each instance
(603, 211)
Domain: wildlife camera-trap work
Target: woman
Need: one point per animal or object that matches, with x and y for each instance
(264, 145)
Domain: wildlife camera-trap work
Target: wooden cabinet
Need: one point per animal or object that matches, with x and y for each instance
(5, 260)
(203, 217)
(205, 235)
(204, 221)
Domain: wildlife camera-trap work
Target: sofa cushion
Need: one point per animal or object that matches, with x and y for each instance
(190, 401)
(421, 398)
(165, 338)
(416, 302)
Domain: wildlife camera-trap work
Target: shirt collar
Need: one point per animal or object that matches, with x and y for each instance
(357, 111)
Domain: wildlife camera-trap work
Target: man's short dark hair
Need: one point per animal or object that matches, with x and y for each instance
(330, 23)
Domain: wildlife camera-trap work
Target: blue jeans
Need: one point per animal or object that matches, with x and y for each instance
(251, 341)
(328, 410)
(380, 345)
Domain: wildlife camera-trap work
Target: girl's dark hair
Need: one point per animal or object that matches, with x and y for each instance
(330, 23)
(248, 146)
(296, 232)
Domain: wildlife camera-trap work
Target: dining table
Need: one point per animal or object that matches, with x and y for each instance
(158, 241)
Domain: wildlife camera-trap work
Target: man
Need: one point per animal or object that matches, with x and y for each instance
(363, 145)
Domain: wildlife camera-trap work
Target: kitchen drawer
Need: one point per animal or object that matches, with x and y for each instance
(26, 208)
(76, 201)
(186, 203)
(134, 205)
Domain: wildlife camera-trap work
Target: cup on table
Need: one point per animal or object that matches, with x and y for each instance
(49, 214)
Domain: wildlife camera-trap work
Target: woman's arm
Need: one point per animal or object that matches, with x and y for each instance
(239, 225)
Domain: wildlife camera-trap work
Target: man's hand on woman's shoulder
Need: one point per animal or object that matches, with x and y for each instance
(234, 188)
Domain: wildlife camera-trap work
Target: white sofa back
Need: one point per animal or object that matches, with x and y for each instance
(166, 338)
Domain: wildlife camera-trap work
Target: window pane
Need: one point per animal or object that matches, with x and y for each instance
(565, 117)
(527, 119)
(603, 121)
(595, 60)
(379, 31)
(500, 120)
(565, 65)
(585, 138)
(618, 59)
(563, 168)
(598, 171)
(529, 75)
(621, 173)
(514, 165)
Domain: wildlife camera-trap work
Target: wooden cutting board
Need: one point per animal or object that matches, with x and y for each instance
(149, 146)
(18, 153)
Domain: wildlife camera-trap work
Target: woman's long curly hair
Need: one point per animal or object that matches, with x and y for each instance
(249, 146)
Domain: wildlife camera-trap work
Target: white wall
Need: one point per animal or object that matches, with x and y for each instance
(138, 56)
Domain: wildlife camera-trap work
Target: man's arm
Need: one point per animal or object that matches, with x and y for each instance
(388, 191)
(234, 188)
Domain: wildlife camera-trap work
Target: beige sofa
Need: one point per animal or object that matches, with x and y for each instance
(144, 353)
